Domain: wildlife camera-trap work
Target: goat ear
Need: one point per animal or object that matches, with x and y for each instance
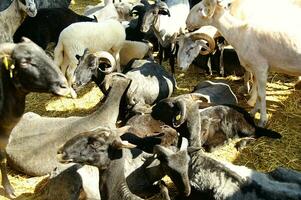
(209, 8)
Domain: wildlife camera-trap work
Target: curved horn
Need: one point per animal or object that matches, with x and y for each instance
(207, 38)
(106, 57)
(6, 49)
(181, 116)
(138, 8)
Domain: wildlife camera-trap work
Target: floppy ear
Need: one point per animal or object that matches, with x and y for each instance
(209, 8)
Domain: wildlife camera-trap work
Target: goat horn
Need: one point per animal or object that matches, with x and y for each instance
(6, 49)
(106, 57)
(207, 38)
(180, 118)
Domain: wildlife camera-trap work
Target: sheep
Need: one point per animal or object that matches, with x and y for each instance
(24, 68)
(262, 36)
(216, 92)
(192, 47)
(212, 179)
(134, 50)
(42, 31)
(108, 35)
(11, 17)
(150, 82)
(108, 11)
(207, 125)
(114, 161)
(46, 134)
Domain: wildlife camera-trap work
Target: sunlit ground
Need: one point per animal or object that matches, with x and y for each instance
(284, 109)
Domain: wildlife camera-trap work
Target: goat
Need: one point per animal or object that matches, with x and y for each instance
(208, 126)
(24, 68)
(42, 31)
(11, 17)
(107, 35)
(142, 170)
(150, 82)
(113, 161)
(212, 179)
(42, 136)
(261, 36)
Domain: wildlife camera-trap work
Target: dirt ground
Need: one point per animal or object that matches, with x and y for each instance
(283, 106)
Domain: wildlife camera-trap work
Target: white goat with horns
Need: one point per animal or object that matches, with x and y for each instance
(261, 44)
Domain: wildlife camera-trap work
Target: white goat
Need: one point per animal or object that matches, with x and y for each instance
(107, 35)
(261, 44)
(11, 18)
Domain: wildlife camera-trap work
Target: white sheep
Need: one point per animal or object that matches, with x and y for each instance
(11, 18)
(107, 11)
(108, 35)
(262, 43)
(134, 49)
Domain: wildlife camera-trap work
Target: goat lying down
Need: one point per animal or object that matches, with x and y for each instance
(205, 124)
(212, 179)
(104, 148)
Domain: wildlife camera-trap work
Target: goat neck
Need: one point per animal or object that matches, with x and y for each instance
(112, 182)
(109, 111)
(228, 26)
(13, 101)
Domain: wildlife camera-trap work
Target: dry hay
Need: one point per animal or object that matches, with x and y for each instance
(284, 109)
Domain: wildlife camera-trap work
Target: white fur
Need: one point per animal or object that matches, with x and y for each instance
(134, 49)
(108, 35)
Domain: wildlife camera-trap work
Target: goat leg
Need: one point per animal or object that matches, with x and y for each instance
(9, 190)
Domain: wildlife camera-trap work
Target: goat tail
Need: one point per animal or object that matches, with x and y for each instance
(59, 54)
(259, 132)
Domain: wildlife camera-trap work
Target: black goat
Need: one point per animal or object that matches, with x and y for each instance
(212, 179)
(208, 126)
(24, 68)
(47, 25)
(103, 149)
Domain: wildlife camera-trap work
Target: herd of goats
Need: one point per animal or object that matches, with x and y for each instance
(139, 133)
